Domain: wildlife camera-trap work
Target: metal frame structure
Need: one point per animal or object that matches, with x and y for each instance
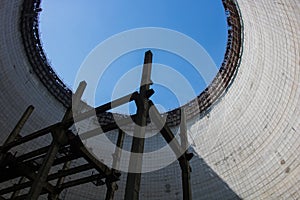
(66, 146)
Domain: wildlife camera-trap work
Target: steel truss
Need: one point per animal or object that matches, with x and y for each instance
(66, 147)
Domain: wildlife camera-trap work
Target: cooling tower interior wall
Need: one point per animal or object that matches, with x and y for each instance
(246, 140)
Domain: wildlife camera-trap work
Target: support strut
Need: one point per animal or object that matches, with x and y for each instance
(137, 148)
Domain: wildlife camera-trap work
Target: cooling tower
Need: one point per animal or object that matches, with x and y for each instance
(244, 129)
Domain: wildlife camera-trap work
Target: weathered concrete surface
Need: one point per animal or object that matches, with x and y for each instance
(247, 145)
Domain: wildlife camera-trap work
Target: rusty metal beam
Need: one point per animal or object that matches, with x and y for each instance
(33, 154)
(179, 150)
(103, 108)
(184, 162)
(59, 174)
(186, 178)
(136, 157)
(165, 131)
(68, 122)
(39, 182)
(60, 180)
(118, 150)
(69, 184)
(27, 171)
(16, 187)
(66, 158)
(111, 185)
(82, 181)
(16, 131)
(71, 171)
(63, 150)
(59, 139)
(17, 192)
(70, 113)
(77, 144)
(32, 136)
(41, 178)
(108, 127)
(76, 99)
(13, 169)
(22, 197)
(183, 131)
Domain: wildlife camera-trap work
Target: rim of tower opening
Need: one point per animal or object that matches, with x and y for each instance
(29, 26)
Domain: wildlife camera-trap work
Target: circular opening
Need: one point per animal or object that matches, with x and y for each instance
(71, 29)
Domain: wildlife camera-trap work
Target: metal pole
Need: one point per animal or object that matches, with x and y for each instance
(59, 139)
(179, 150)
(165, 131)
(78, 94)
(137, 148)
(105, 107)
(183, 131)
(32, 136)
(59, 182)
(112, 186)
(183, 161)
(118, 150)
(108, 127)
(17, 192)
(74, 110)
(16, 131)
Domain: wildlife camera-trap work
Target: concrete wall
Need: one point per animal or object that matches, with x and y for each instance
(251, 138)
(246, 146)
(20, 87)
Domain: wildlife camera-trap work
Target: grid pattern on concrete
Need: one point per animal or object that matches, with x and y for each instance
(251, 138)
(247, 145)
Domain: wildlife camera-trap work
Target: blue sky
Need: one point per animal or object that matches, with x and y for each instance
(70, 29)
